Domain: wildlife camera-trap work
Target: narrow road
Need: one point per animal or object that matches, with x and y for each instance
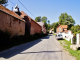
(46, 48)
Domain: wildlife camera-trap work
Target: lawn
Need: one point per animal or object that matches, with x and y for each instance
(54, 34)
(66, 44)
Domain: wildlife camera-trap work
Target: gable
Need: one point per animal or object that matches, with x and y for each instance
(62, 26)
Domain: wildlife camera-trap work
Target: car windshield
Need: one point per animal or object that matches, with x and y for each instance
(59, 35)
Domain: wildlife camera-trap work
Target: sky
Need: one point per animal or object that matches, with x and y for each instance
(52, 9)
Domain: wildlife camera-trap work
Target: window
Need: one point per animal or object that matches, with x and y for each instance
(59, 29)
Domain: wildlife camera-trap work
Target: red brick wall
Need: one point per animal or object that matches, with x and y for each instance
(11, 24)
(32, 27)
(35, 28)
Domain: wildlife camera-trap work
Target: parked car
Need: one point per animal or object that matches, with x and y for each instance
(59, 36)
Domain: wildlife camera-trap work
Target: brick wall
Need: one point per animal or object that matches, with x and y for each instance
(11, 24)
(31, 27)
(35, 28)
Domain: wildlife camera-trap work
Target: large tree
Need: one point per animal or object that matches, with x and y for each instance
(65, 19)
(38, 19)
(4, 2)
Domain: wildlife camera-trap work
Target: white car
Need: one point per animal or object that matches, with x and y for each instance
(59, 36)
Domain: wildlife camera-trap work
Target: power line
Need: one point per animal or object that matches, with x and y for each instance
(27, 9)
(12, 3)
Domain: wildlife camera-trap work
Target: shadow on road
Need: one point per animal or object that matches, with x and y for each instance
(18, 49)
(41, 52)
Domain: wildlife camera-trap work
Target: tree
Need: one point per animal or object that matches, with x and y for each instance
(44, 19)
(65, 19)
(4, 2)
(54, 25)
(75, 28)
(38, 19)
(49, 26)
(48, 22)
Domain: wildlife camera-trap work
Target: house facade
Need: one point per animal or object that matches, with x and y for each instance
(11, 22)
(61, 28)
(31, 27)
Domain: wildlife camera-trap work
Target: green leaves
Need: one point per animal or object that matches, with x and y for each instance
(38, 19)
(75, 29)
(3, 1)
(65, 19)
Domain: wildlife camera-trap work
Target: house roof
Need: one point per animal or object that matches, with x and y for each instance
(24, 14)
(41, 23)
(63, 26)
(5, 10)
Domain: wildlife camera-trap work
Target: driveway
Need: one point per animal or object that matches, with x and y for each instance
(46, 48)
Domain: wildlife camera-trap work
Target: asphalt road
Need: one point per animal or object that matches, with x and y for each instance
(46, 48)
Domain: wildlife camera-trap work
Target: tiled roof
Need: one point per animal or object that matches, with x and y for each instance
(4, 9)
(24, 14)
(63, 26)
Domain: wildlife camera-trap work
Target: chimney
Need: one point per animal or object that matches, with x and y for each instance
(16, 10)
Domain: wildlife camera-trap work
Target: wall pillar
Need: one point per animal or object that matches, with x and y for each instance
(77, 36)
(72, 39)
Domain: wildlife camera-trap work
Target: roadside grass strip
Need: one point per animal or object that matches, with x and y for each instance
(66, 44)
(54, 34)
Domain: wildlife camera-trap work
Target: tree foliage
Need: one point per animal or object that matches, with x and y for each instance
(4, 2)
(54, 25)
(48, 22)
(38, 19)
(65, 19)
(75, 29)
(44, 19)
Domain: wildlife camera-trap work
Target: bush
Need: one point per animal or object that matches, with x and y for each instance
(74, 39)
(4, 36)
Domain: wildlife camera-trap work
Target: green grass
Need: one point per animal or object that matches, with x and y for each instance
(54, 34)
(75, 53)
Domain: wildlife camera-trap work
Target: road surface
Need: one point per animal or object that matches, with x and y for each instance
(46, 48)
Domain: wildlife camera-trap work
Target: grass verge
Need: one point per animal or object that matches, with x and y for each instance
(66, 44)
(54, 34)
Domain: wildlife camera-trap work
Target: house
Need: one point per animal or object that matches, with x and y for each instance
(51, 30)
(43, 26)
(61, 28)
(31, 27)
(11, 22)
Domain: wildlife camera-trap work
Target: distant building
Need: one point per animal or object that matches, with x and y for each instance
(43, 26)
(61, 28)
(51, 30)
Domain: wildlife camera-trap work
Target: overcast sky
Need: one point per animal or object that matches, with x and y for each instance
(52, 9)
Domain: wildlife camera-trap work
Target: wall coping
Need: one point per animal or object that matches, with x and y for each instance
(13, 16)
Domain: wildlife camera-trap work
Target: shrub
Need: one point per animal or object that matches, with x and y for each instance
(74, 39)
